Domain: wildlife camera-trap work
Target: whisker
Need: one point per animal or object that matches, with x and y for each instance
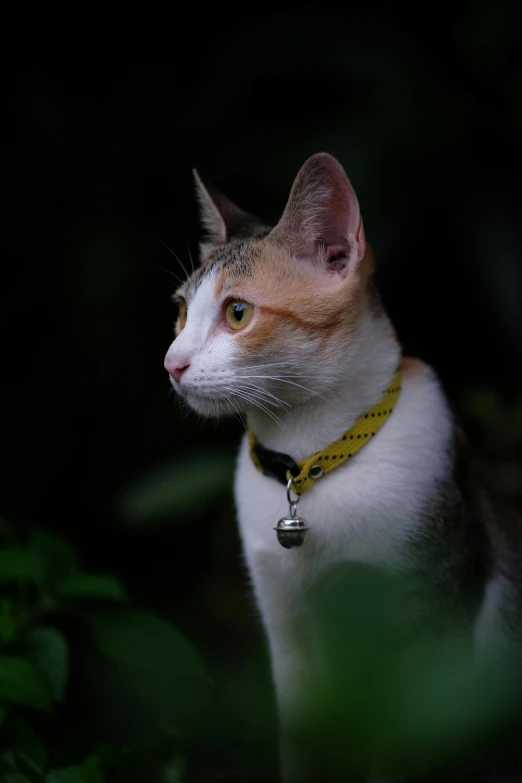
(267, 394)
(295, 373)
(167, 271)
(229, 407)
(272, 415)
(255, 402)
(239, 414)
(190, 255)
(284, 380)
(178, 259)
(271, 364)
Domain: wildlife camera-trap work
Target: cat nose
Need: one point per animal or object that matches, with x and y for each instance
(176, 368)
(177, 372)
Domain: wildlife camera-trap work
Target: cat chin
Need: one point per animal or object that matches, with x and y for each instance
(212, 407)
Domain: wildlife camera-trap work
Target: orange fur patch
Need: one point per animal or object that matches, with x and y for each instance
(412, 367)
(287, 293)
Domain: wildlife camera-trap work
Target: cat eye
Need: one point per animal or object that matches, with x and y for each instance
(182, 316)
(238, 314)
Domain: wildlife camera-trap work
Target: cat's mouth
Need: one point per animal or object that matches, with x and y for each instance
(227, 399)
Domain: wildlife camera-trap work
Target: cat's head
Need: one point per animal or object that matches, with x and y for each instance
(271, 316)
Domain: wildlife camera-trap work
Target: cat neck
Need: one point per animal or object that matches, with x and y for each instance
(310, 426)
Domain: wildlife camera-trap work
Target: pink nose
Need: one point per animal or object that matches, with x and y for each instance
(177, 371)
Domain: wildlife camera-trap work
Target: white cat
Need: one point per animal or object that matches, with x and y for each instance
(285, 325)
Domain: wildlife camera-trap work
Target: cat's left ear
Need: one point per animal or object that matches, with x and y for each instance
(222, 219)
(322, 221)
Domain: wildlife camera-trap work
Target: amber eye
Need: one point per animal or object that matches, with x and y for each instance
(238, 314)
(182, 317)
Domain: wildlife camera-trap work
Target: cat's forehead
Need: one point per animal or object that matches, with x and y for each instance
(236, 259)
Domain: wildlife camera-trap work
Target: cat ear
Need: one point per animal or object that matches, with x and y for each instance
(322, 218)
(221, 218)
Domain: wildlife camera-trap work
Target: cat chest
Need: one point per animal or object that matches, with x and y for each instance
(349, 516)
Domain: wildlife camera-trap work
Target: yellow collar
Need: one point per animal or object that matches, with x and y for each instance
(307, 471)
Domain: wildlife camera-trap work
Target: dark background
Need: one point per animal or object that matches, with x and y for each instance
(105, 120)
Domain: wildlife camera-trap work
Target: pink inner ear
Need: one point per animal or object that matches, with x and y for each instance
(360, 240)
(338, 257)
(322, 215)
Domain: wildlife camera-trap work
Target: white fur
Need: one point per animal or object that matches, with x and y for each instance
(364, 511)
(208, 349)
(491, 633)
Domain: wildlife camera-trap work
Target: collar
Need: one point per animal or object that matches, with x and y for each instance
(282, 466)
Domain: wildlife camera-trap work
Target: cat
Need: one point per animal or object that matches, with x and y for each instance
(284, 324)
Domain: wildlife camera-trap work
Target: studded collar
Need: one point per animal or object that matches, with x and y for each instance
(306, 472)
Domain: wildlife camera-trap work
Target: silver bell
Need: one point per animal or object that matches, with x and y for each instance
(291, 531)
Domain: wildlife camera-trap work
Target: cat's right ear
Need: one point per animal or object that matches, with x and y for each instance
(221, 218)
(322, 221)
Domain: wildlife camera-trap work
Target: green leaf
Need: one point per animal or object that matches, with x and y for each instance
(28, 749)
(48, 649)
(20, 565)
(141, 642)
(178, 489)
(81, 585)
(58, 557)
(70, 775)
(160, 670)
(21, 682)
(14, 777)
(8, 764)
(7, 620)
(88, 772)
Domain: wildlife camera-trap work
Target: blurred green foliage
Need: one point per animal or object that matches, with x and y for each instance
(167, 493)
(396, 701)
(44, 587)
(381, 699)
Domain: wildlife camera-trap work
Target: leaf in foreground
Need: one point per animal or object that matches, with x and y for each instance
(20, 565)
(88, 772)
(58, 556)
(82, 585)
(21, 682)
(175, 490)
(48, 649)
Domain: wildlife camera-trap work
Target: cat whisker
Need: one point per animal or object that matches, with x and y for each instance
(168, 272)
(272, 364)
(280, 365)
(295, 374)
(238, 415)
(283, 375)
(190, 256)
(267, 394)
(257, 404)
(268, 397)
(178, 259)
(284, 380)
(229, 407)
